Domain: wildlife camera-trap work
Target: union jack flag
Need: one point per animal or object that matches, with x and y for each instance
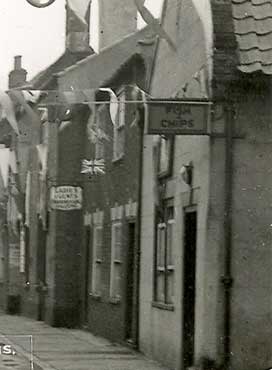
(93, 167)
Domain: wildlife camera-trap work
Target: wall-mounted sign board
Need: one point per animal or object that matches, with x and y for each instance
(178, 117)
(66, 198)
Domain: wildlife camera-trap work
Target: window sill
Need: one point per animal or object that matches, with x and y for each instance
(114, 300)
(163, 306)
(95, 297)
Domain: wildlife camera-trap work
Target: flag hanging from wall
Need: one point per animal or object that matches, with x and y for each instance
(4, 165)
(7, 111)
(93, 167)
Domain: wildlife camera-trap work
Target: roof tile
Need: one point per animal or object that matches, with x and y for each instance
(253, 30)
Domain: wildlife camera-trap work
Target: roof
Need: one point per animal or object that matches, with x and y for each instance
(96, 70)
(45, 77)
(253, 30)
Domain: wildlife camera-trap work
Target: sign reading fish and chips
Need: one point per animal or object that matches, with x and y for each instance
(66, 198)
(178, 117)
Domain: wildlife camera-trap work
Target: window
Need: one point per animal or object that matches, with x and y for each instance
(119, 129)
(165, 156)
(164, 261)
(97, 260)
(116, 261)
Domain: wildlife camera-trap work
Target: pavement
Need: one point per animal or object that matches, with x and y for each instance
(26, 344)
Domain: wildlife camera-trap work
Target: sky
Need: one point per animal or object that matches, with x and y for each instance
(38, 35)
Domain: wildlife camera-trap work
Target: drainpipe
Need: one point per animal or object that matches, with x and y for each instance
(227, 279)
(139, 227)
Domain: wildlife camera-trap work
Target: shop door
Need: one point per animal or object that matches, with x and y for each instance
(189, 287)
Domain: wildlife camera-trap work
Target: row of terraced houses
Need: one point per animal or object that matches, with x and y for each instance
(165, 244)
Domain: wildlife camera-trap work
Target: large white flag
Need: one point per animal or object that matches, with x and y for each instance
(4, 165)
(7, 111)
(153, 23)
(80, 8)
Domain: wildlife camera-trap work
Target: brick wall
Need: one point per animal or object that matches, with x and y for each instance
(117, 187)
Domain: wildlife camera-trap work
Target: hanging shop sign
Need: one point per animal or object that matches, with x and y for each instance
(66, 198)
(182, 117)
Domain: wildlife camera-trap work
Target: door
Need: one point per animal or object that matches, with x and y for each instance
(86, 276)
(131, 291)
(41, 270)
(189, 286)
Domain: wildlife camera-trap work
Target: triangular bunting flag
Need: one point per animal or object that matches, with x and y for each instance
(80, 8)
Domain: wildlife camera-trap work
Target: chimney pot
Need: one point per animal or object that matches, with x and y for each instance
(17, 77)
(18, 62)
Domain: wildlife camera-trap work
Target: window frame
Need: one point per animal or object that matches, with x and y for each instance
(115, 261)
(168, 269)
(170, 157)
(96, 291)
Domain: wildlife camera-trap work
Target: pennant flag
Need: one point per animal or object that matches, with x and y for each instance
(4, 165)
(139, 94)
(13, 162)
(93, 167)
(7, 111)
(42, 150)
(153, 23)
(114, 104)
(19, 97)
(80, 8)
(27, 199)
(42, 155)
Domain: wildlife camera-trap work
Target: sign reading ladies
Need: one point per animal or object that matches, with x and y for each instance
(66, 198)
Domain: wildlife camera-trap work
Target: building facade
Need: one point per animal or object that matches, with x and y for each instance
(203, 263)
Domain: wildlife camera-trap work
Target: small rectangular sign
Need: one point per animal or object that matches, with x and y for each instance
(178, 118)
(66, 198)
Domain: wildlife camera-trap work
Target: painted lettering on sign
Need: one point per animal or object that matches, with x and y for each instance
(181, 118)
(66, 198)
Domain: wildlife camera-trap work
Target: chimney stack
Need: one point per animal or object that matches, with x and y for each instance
(117, 19)
(77, 33)
(17, 77)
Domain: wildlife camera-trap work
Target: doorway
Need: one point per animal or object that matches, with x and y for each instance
(131, 289)
(189, 286)
(86, 276)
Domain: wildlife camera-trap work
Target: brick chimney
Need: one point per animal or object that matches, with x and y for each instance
(117, 18)
(77, 33)
(17, 77)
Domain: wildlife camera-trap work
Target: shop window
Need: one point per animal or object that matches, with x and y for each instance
(164, 261)
(119, 129)
(97, 260)
(116, 262)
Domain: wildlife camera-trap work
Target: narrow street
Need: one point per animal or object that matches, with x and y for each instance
(63, 349)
